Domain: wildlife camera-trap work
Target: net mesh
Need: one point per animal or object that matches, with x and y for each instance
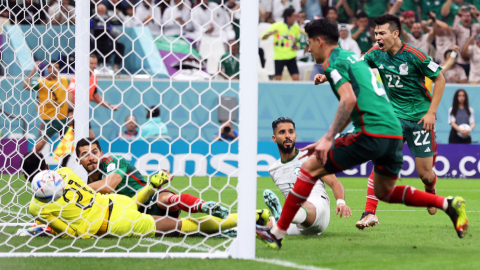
(162, 95)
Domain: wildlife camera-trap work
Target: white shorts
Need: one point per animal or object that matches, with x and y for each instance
(322, 208)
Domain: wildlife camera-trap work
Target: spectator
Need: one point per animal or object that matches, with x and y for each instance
(375, 8)
(229, 64)
(279, 7)
(332, 14)
(419, 39)
(401, 6)
(471, 51)
(52, 100)
(131, 131)
(149, 14)
(93, 85)
(362, 33)
(408, 21)
(105, 41)
(460, 114)
(463, 32)
(211, 20)
(117, 10)
(63, 13)
(5, 7)
(286, 39)
(445, 39)
(346, 42)
(313, 8)
(302, 53)
(154, 127)
(266, 7)
(30, 13)
(346, 10)
(176, 19)
(431, 5)
(227, 132)
(450, 10)
(455, 74)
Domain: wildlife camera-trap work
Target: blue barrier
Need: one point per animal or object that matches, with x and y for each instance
(189, 109)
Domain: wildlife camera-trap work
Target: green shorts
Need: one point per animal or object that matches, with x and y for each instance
(52, 127)
(353, 149)
(420, 142)
(152, 208)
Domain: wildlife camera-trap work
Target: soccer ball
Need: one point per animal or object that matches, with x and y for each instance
(48, 186)
(464, 127)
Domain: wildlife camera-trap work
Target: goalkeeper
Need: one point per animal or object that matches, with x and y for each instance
(115, 174)
(83, 213)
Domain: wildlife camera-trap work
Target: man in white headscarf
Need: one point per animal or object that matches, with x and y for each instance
(346, 41)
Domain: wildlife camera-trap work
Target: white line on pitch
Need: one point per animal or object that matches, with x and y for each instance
(289, 264)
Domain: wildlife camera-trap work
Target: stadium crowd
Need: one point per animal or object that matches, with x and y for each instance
(435, 27)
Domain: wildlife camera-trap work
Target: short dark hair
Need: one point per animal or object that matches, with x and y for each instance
(445, 54)
(324, 28)
(281, 120)
(392, 20)
(93, 56)
(332, 8)
(154, 111)
(288, 12)
(84, 142)
(361, 15)
(33, 163)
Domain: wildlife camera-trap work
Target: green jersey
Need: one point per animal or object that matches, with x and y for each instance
(403, 76)
(342, 13)
(364, 40)
(230, 65)
(132, 180)
(454, 9)
(375, 8)
(431, 5)
(373, 115)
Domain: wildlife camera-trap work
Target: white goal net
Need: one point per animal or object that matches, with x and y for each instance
(157, 85)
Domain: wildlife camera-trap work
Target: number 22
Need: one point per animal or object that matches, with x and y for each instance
(418, 134)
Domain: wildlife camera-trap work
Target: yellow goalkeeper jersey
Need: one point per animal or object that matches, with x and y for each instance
(80, 212)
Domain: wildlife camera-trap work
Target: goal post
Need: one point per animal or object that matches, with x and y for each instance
(183, 86)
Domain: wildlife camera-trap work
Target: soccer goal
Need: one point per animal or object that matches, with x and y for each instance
(160, 85)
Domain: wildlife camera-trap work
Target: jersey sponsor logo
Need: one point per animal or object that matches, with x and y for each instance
(381, 66)
(111, 167)
(403, 69)
(335, 76)
(433, 66)
(428, 150)
(392, 67)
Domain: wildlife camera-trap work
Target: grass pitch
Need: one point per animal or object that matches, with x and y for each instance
(406, 238)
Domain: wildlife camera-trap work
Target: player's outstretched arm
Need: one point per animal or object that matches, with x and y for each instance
(345, 107)
(339, 193)
(108, 184)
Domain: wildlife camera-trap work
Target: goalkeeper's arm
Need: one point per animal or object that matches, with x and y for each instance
(57, 225)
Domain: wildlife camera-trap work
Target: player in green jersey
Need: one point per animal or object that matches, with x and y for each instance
(115, 174)
(403, 69)
(377, 137)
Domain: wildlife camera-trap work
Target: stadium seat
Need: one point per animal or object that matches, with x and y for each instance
(213, 50)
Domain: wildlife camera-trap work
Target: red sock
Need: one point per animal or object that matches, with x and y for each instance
(372, 201)
(430, 187)
(186, 202)
(297, 196)
(413, 197)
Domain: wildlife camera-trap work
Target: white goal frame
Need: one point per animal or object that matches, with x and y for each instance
(243, 247)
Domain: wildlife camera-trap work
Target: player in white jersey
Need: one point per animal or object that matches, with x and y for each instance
(314, 215)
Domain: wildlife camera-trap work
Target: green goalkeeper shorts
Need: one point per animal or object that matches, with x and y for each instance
(420, 142)
(353, 149)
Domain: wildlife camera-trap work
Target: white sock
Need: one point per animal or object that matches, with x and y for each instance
(300, 216)
(272, 219)
(445, 204)
(278, 233)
